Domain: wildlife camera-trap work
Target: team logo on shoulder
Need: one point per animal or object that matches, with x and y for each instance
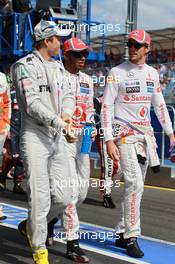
(24, 73)
(29, 59)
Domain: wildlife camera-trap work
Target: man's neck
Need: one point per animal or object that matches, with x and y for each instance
(44, 54)
(139, 62)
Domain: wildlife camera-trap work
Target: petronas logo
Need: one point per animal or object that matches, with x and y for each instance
(24, 72)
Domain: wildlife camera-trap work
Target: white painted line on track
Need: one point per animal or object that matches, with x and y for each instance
(8, 225)
(20, 207)
(144, 237)
(93, 225)
(96, 226)
(95, 250)
(158, 240)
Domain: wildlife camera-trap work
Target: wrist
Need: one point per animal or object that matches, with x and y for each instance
(109, 142)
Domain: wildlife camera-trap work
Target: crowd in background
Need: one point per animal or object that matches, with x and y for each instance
(165, 69)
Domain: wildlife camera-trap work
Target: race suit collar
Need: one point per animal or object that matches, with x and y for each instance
(137, 66)
(38, 54)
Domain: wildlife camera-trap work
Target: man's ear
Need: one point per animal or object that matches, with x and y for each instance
(46, 42)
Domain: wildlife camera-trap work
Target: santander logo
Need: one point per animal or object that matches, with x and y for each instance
(126, 98)
(135, 98)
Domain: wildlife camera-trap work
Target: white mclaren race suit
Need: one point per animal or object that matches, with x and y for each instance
(82, 87)
(133, 88)
(5, 113)
(41, 95)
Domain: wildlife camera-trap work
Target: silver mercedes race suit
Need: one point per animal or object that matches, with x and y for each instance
(82, 88)
(133, 88)
(41, 95)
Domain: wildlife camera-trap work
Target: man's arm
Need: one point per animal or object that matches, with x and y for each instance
(161, 111)
(110, 94)
(25, 81)
(68, 97)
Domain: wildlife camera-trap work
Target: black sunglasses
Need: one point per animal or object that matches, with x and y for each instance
(136, 45)
(79, 55)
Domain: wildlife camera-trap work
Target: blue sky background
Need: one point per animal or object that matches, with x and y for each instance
(152, 14)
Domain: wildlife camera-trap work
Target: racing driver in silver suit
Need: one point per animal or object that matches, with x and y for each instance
(44, 100)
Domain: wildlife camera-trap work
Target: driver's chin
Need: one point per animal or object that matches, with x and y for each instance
(80, 66)
(133, 58)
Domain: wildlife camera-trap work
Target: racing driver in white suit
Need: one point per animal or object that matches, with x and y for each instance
(75, 54)
(133, 86)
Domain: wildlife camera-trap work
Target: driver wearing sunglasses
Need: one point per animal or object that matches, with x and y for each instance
(79, 55)
(130, 91)
(75, 53)
(138, 46)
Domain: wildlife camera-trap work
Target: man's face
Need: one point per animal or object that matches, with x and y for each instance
(137, 52)
(77, 59)
(53, 46)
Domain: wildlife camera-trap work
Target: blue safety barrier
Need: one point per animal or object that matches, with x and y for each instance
(159, 132)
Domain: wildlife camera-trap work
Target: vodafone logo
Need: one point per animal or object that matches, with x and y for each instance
(142, 113)
(78, 113)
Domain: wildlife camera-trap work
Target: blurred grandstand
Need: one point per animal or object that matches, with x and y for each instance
(162, 57)
(108, 50)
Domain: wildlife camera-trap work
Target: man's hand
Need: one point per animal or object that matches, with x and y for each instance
(112, 150)
(67, 118)
(9, 135)
(172, 141)
(69, 133)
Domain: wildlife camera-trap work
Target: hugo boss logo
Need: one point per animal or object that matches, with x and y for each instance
(133, 89)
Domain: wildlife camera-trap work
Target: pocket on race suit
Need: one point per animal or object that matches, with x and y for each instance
(140, 148)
